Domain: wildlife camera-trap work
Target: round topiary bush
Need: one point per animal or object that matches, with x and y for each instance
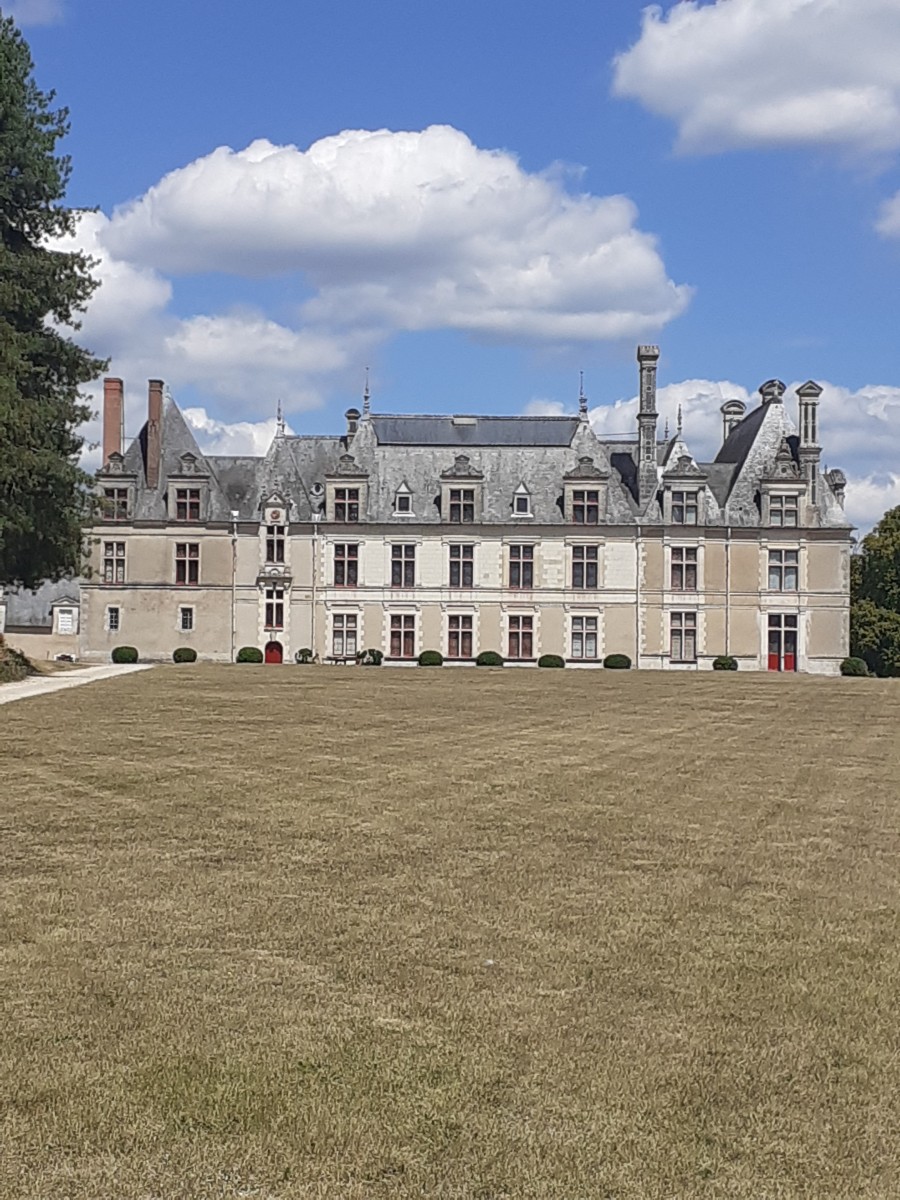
(725, 662)
(184, 654)
(489, 658)
(124, 654)
(854, 666)
(369, 658)
(250, 654)
(551, 660)
(617, 662)
(303, 656)
(431, 658)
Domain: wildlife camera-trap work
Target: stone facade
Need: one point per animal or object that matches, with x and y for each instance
(524, 535)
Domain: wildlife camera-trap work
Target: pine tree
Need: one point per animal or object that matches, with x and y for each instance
(44, 497)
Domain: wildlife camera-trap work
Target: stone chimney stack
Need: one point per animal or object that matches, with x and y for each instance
(154, 431)
(648, 479)
(808, 450)
(113, 418)
(732, 414)
(352, 418)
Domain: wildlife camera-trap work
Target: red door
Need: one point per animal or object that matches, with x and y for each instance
(774, 649)
(790, 650)
(782, 642)
(274, 652)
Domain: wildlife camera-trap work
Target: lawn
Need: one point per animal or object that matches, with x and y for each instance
(312, 932)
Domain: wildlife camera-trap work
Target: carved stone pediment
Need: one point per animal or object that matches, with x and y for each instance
(586, 468)
(684, 467)
(784, 466)
(347, 466)
(462, 469)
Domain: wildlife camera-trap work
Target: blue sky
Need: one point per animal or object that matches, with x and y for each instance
(479, 200)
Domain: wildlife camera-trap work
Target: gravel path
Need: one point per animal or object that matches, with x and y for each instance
(38, 685)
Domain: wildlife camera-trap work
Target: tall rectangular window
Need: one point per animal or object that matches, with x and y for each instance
(685, 506)
(185, 619)
(346, 504)
(584, 637)
(187, 562)
(274, 543)
(586, 507)
(115, 504)
(521, 566)
(584, 566)
(684, 569)
(403, 635)
(113, 619)
(784, 511)
(783, 637)
(462, 506)
(683, 636)
(346, 565)
(343, 635)
(521, 637)
(187, 504)
(462, 566)
(113, 562)
(459, 637)
(403, 566)
(784, 570)
(274, 608)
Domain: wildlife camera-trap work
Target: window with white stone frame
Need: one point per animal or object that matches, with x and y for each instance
(684, 569)
(113, 620)
(784, 510)
(584, 637)
(585, 566)
(520, 637)
(784, 570)
(685, 507)
(403, 635)
(344, 628)
(459, 635)
(113, 562)
(683, 636)
(186, 619)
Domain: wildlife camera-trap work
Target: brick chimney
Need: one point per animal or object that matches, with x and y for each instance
(154, 431)
(113, 417)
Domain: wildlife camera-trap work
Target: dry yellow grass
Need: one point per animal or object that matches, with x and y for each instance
(371, 933)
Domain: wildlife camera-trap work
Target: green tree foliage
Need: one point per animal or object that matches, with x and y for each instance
(875, 597)
(44, 496)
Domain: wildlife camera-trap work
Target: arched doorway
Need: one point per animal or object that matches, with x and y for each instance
(273, 652)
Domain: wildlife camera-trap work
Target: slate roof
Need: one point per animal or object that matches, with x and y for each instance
(474, 431)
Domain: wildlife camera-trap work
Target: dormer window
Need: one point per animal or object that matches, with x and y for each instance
(187, 504)
(784, 511)
(586, 506)
(461, 492)
(403, 501)
(685, 507)
(521, 506)
(115, 504)
(462, 506)
(346, 504)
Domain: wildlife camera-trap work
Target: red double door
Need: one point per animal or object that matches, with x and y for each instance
(782, 642)
(273, 652)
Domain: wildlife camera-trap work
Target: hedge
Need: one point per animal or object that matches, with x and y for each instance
(431, 658)
(304, 656)
(489, 658)
(551, 660)
(184, 654)
(725, 662)
(617, 662)
(369, 658)
(250, 654)
(124, 654)
(854, 666)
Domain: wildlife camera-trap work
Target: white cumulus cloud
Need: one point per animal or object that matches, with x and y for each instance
(768, 73)
(35, 12)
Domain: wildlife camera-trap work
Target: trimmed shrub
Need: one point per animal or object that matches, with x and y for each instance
(369, 658)
(725, 662)
(489, 658)
(551, 660)
(250, 654)
(124, 654)
(304, 656)
(431, 658)
(854, 666)
(184, 654)
(617, 662)
(13, 664)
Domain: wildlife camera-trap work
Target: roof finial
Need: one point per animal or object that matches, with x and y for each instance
(582, 398)
(366, 396)
(680, 422)
(279, 421)
(666, 431)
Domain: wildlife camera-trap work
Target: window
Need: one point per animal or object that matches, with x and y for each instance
(65, 620)
(684, 508)
(462, 506)
(115, 504)
(113, 619)
(782, 642)
(684, 568)
(187, 562)
(403, 635)
(521, 566)
(187, 504)
(683, 642)
(346, 504)
(784, 570)
(403, 566)
(586, 507)
(462, 566)
(584, 637)
(275, 544)
(402, 503)
(783, 511)
(346, 566)
(343, 635)
(459, 641)
(520, 637)
(185, 619)
(113, 562)
(584, 566)
(521, 504)
(274, 608)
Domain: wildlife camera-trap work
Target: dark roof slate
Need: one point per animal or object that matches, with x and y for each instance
(474, 431)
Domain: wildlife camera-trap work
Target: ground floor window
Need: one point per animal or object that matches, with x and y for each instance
(584, 637)
(113, 619)
(459, 638)
(521, 635)
(343, 635)
(403, 635)
(274, 608)
(185, 619)
(683, 637)
(782, 642)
